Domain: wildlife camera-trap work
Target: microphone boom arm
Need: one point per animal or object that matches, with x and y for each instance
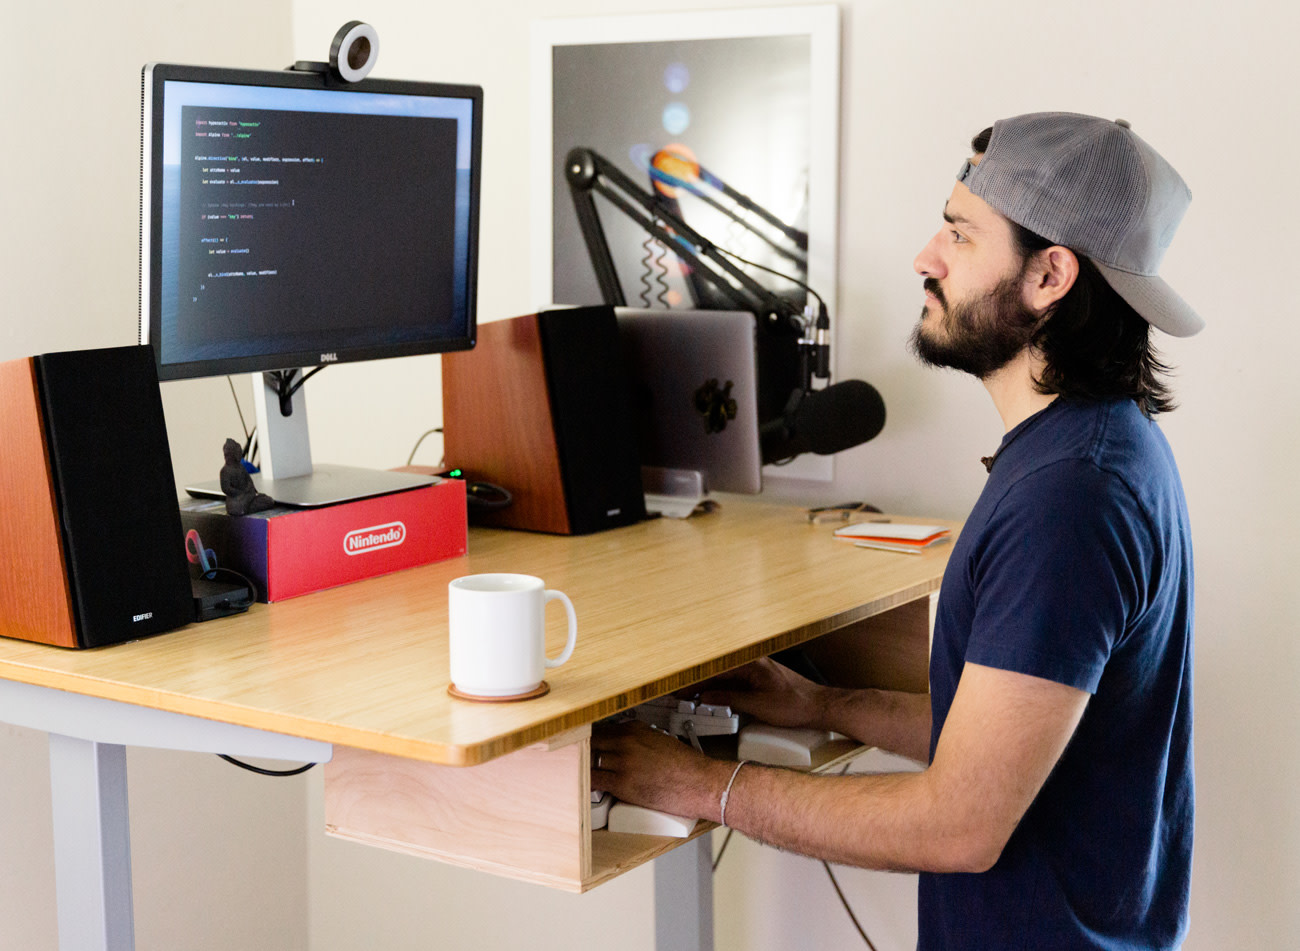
(796, 251)
(588, 172)
(791, 348)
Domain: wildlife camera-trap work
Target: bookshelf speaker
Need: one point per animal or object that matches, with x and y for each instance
(540, 407)
(91, 546)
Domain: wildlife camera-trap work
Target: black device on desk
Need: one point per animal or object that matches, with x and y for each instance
(292, 219)
(90, 545)
(215, 597)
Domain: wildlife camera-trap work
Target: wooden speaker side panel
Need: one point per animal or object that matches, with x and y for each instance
(497, 423)
(35, 603)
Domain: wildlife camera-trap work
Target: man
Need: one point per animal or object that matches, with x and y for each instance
(1056, 807)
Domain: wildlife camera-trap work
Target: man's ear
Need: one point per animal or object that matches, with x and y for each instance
(1049, 276)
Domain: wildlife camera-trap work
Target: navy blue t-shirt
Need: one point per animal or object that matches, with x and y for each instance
(1076, 566)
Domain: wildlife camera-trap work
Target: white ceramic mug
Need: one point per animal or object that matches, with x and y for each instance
(498, 633)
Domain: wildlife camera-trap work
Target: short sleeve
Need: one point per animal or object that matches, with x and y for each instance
(1060, 574)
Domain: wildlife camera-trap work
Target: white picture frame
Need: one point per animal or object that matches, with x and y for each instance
(815, 28)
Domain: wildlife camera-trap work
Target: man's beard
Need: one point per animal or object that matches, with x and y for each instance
(979, 336)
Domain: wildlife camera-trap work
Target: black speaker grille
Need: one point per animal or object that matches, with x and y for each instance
(594, 432)
(121, 525)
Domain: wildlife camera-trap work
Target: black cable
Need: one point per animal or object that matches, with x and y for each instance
(487, 497)
(266, 772)
(815, 345)
(826, 865)
(845, 902)
(647, 269)
(764, 267)
(240, 410)
(835, 882)
(211, 573)
(661, 278)
(249, 434)
(286, 375)
(282, 385)
(725, 842)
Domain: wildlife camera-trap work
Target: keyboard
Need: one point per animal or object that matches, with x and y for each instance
(682, 717)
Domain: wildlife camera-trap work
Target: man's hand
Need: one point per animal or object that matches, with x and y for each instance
(772, 693)
(641, 765)
(892, 720)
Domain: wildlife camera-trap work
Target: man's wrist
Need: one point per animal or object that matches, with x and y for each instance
(834, 708)
(726, 792)
(715, 777)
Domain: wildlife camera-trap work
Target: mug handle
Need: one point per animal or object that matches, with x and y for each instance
(573, 626)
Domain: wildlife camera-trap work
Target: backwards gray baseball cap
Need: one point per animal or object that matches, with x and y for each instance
(1092, 185)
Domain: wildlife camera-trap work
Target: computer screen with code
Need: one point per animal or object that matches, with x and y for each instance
(286, 223)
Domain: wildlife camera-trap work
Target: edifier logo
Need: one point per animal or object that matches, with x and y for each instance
(329, 358)
(142, 617)
(372, 539)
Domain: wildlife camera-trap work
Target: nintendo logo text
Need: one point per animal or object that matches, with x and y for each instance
(374, 538)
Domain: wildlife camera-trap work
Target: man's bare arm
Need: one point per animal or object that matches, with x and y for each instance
(1001, 739)
(892, 720)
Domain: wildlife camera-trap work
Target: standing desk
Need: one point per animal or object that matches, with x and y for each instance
(357, 676)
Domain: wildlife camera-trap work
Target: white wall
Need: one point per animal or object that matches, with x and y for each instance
(1212, 88)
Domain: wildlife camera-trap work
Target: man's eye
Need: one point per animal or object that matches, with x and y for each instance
(958, 237)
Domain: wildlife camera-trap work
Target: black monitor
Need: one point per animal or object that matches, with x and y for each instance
(290, 220)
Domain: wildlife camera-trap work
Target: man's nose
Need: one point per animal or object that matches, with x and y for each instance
(929, 263)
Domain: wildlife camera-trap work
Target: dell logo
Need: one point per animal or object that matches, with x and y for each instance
(329, 357)
(374, 538)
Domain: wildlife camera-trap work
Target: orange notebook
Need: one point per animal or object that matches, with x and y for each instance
(893, 537)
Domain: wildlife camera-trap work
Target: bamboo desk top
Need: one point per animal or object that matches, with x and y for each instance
(661, 605)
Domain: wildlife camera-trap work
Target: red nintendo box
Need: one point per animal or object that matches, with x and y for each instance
(288, 551)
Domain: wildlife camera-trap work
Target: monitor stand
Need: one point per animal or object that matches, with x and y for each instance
(288, 475)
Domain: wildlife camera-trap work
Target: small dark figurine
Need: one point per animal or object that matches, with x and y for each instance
(242, 497)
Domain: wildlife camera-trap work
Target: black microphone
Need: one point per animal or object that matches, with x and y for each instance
(825, 421)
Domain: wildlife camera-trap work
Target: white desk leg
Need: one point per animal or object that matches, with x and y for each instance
(684, 897)
(92, 845)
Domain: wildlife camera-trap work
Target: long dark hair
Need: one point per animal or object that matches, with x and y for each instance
(1094, 344)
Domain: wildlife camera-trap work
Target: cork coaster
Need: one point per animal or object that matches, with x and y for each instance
(541, 690)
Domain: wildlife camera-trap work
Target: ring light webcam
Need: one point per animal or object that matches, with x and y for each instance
(352, 54)
(354, 51)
